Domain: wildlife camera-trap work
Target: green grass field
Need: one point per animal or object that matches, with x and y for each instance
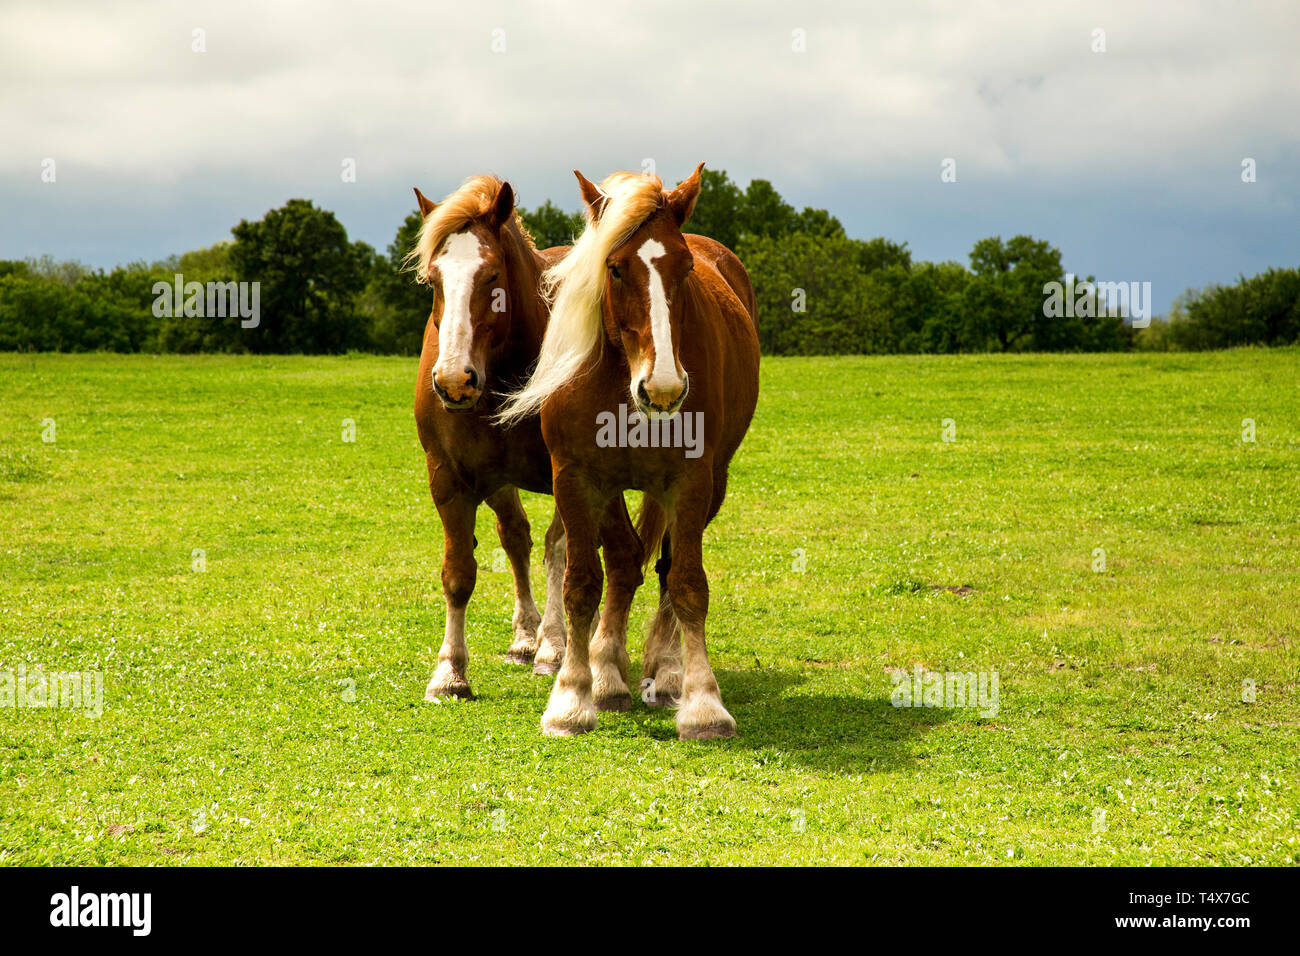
(268, 709)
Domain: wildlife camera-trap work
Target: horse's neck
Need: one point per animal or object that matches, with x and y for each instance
(528, 321)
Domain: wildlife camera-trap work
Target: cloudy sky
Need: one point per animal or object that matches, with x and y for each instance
(1129, 160)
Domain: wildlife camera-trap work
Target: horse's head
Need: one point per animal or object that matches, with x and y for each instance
(645, 291)
(461, 254)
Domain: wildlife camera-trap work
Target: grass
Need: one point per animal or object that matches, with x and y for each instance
(268, 709)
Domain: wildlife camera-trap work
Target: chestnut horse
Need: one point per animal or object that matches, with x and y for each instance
(482, 337)
(642, 317)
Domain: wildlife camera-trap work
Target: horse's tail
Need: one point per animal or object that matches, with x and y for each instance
(651, 524)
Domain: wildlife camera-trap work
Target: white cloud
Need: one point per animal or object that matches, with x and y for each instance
(414, 92)
(1005, 89)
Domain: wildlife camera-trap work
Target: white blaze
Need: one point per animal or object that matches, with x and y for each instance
(458, 263)
(664, 371)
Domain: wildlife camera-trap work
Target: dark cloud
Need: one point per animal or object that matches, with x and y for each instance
(1129, 160)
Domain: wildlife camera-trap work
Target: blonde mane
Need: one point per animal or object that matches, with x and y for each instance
(473, 200)
(576, 287)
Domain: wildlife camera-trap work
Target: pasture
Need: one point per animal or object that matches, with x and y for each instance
(262, 598)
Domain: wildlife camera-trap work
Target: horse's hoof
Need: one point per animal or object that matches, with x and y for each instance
(709, 732)
(459, 690)
(668, 684)
(618, 703)
(559, 729)
(454, 693)
(546, 668)
(569, 710)
(522, 658)
(653, 694)
(562, 731)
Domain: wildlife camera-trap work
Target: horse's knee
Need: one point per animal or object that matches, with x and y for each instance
(458, 581)
(625, 575)
(688, 592)
(515, 535)
(582, 586)
(554, 532)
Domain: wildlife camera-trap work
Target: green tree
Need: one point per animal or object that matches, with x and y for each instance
(764, 213)
(818, 222)
(202, 265)
(182, 333)
(43, 313)
(920, 307)
(310, 276)
(810, 296)
(880, 253)
(68, 272)
(1004, 302)
(397, 306)
(1261, 309)
(717, 210)
(552, 226)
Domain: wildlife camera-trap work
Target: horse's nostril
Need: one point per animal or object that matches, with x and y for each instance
(472, 381)
(642, 394)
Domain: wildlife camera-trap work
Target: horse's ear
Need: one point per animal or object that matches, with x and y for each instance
(595, 199)
(682, 199)
(426, 206)
(505, 205)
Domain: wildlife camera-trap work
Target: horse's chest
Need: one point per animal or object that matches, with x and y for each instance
(486, 458)
(632, 467)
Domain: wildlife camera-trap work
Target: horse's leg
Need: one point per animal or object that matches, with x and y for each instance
(550, 651)
(512, 529)
(701, 714)
(571, 709)
(609, 660)
(458, 572)
(661, 661)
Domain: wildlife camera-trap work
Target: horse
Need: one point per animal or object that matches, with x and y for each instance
(645, 317)
(482, 336)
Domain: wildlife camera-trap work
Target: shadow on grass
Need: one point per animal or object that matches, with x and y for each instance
(831, 733)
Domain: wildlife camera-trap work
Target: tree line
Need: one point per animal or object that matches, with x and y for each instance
(819, 291)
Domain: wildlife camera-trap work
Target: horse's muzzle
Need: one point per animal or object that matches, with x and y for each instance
(657, 404)
(461, 392)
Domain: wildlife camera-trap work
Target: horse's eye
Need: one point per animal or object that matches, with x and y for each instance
(495, 276)
(613, 270)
